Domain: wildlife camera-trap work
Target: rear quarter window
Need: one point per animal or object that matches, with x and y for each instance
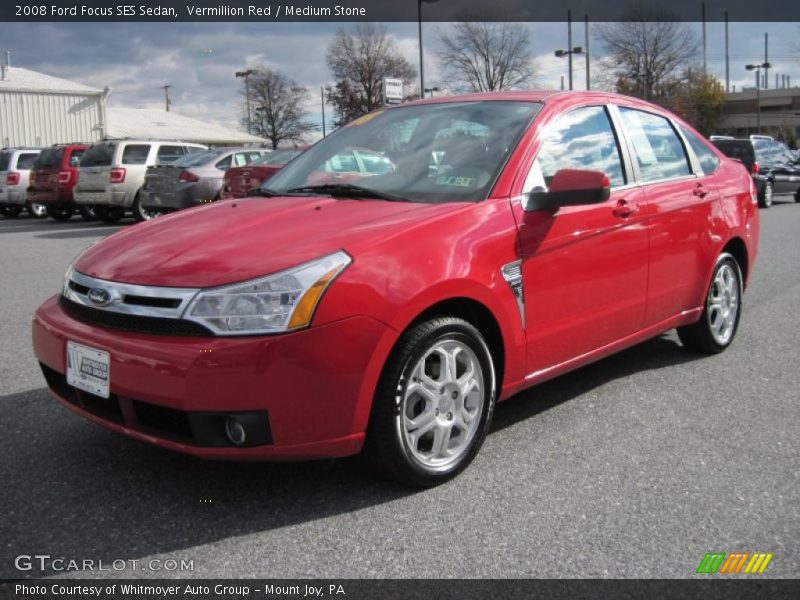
(705, 156)
(99, 155)
(25, 160)
(135, 154)
(5, 158)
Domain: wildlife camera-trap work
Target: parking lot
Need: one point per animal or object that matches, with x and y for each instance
(635, 466)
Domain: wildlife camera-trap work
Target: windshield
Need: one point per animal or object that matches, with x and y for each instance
(447, 152)
(50, 158)
(195, 159)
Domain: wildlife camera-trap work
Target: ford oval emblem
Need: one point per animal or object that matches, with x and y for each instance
(99, 296)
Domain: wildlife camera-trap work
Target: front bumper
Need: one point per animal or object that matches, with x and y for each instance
(310, 383)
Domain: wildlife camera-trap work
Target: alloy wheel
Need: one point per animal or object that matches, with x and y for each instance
(723, 304)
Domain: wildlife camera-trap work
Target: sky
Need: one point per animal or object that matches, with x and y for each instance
(199, 59)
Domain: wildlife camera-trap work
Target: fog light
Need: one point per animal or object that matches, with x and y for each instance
(235, 431)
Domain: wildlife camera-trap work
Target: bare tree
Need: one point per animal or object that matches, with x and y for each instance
(360, 59)
(486, 56)
(649, 51)
(279, 111)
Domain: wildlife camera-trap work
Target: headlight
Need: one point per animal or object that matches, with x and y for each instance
(279, 302)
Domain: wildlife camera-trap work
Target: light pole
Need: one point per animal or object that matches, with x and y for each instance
(757, 68)
(419, 29)
(246, 74)
(570, 50)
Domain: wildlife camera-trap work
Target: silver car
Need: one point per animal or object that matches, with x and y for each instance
(192, 180)
(15, 171)
(111, 174)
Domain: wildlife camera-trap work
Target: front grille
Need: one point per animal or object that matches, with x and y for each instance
(107, 408)
(135, 323)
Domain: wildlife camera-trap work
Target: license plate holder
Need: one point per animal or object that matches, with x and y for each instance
(88, 369)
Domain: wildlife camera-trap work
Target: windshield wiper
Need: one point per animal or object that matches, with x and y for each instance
(346, 190)
(266, 192)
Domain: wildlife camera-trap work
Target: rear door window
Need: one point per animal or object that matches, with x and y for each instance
(169, 154)
(25, 160)
(656, 146)
(135, 154)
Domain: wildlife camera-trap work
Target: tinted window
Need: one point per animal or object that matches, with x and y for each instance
(581, 139)
(169, 154)
(75, 157)
(50, 158)
(657, 148)
(99, 155)
(5, 158)
(740, 149)
(26, 159)
(708, 160)
(135, 154)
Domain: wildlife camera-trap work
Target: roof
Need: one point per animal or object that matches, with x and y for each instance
(25, 80)
(160, 124)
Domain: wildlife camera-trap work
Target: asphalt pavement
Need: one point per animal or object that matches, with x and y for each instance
(635, 466)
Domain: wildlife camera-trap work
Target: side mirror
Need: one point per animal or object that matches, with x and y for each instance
(570, 187)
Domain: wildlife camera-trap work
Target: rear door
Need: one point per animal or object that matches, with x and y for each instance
(681, 203)
(584, 267)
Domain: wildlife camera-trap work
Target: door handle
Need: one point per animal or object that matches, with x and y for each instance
(700, 191)
(624, 209)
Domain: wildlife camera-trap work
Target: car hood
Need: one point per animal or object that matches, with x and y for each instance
(242, 239)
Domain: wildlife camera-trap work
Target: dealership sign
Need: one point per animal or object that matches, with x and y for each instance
(392, 90)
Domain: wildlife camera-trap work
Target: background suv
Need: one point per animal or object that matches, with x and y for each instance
(112, 173)
(774, 167)
(15, 168)
(52, 178)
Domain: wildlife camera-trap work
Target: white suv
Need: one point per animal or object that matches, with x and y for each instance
(112, 172)
(15, 169)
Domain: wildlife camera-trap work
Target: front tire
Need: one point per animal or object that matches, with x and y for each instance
(766, 196)
(717, 326)
(434, 403)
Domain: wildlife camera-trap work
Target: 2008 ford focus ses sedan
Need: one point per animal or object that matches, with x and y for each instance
(498, 240)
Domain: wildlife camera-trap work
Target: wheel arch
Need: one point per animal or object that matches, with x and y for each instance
(738, 249)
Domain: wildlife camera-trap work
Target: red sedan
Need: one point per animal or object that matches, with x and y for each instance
(240, 180)
(502, 240)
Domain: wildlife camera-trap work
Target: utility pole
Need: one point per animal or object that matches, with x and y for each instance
(727, 58)
(246, 74)
(322, 91)
(167, 100)
(766, 61)
(586, 31)
(705, 55)
(569, 45)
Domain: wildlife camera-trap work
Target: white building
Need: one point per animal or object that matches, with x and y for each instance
(39, 110)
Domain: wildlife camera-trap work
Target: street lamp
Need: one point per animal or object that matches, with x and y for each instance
(246, 74)
(421, 66)
(757, 68)
(570, 50)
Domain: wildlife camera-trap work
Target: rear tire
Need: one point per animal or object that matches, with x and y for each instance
(109, 214)
(10, 211)
(766, 196)
(434, 403)
(717, 326)
(36, 210)
(140, 213)
(60, 212)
